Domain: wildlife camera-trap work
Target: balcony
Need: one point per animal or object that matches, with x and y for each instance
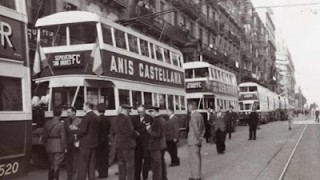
(191, 8)
(157, 25)
(117, 3)
(213, 25)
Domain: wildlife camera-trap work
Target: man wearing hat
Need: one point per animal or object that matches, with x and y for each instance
(103, 139)
(125, 141)
(231, 119)
(157, 144)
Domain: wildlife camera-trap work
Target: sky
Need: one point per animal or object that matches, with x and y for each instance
(300, 27)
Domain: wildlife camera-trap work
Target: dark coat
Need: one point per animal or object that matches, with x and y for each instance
(220, 123)
(104, 131)
(172, 128)
(140, 127)
(231, 119)
(253, 119)
(157, 132)
(124, 132)
(88, 131)
(70, 133)
(54, 136)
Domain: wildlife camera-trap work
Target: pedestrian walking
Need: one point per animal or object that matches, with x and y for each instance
(125, 142)
(253, 123)
(231, 119)
(157, 144)
(212, 119)
(142, 154)
(172, 136)
(55, 141)
(220, 131)
(317, 112)
(72, 124)
(290, 118)
(87, 137)
(194, 141)
(102, 154)
(206, 118)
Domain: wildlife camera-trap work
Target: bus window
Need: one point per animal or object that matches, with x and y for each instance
(247, 106)
(162, 101)
(136, 98)
(257, 105)
(10, 94)
(83, 33)
(167, 56)
(211, 103)
(107, 34)
(170, 101)
(180, 60)
(152, 51)
(8, 3)
(133, 43)
(243, 89)
(241, 105)
(213, 75)
(177, 102)
(147, 99)
(252, 88)
(155, 101)
(175, 59)
(59, 39)
(183, 103)
(124, 96)
(92, 95)
(199, 102)
(144, 48)
(107, 97)
(201, 72)
(120, 39)
(189, 73)
(159, 53)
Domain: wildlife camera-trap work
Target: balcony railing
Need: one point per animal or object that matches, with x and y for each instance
(191, 9)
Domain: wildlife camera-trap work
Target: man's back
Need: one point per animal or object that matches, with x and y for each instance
(88, 131)
(196, 128)
(124, 132)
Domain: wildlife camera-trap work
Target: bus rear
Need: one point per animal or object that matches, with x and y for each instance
(15, 100)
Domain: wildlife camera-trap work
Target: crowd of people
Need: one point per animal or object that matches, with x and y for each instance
(140, 141)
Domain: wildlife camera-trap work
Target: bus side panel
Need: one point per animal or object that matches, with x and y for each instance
(15, 148)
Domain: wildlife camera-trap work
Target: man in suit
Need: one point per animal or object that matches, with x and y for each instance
(55, 140)
(88, 143)
(253, 123)
(103, 145)
(157, 144)
(220, 131)
(172, 136)
(142, 154)
(195, 134)
(231, 119)
(125, 142)
(72, 124)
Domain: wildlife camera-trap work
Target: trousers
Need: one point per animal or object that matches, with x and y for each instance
(126, 164)
(71, 162)
(86, 164)
(220, 141)
(102, 160)
(142, 163)
(252, 131)
(173, 152)
(195, 161)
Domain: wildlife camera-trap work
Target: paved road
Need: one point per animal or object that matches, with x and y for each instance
(262, 159)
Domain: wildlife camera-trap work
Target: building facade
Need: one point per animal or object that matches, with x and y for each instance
(285, 68)
(300, 100)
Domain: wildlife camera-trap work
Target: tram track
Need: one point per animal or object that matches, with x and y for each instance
(282, 146)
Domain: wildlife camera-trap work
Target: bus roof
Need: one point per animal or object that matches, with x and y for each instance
(202, 64)
(67, 17)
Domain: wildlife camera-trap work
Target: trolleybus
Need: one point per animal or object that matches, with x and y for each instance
(90, 58)
(268, 104)
(15, 100)
(210, 86)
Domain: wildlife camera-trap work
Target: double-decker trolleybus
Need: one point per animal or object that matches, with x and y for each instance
(90, 58)
(210, 86)
(15, 95)
(268, 104)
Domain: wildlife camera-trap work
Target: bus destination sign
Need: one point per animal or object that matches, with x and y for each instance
(67, 60)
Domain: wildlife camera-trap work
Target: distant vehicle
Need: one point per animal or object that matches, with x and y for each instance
(15, 91)
(210, 86)
(90, 58)
(269, 105)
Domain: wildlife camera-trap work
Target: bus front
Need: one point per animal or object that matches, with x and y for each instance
(248, 99)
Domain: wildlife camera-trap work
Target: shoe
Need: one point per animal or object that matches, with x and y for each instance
(290, 128)
(254, 138)
(249, 139)
(175, 164)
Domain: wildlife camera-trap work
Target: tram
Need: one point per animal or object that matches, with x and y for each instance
(15, 95)
(269, 105)
(210, 86)
(90, 58)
